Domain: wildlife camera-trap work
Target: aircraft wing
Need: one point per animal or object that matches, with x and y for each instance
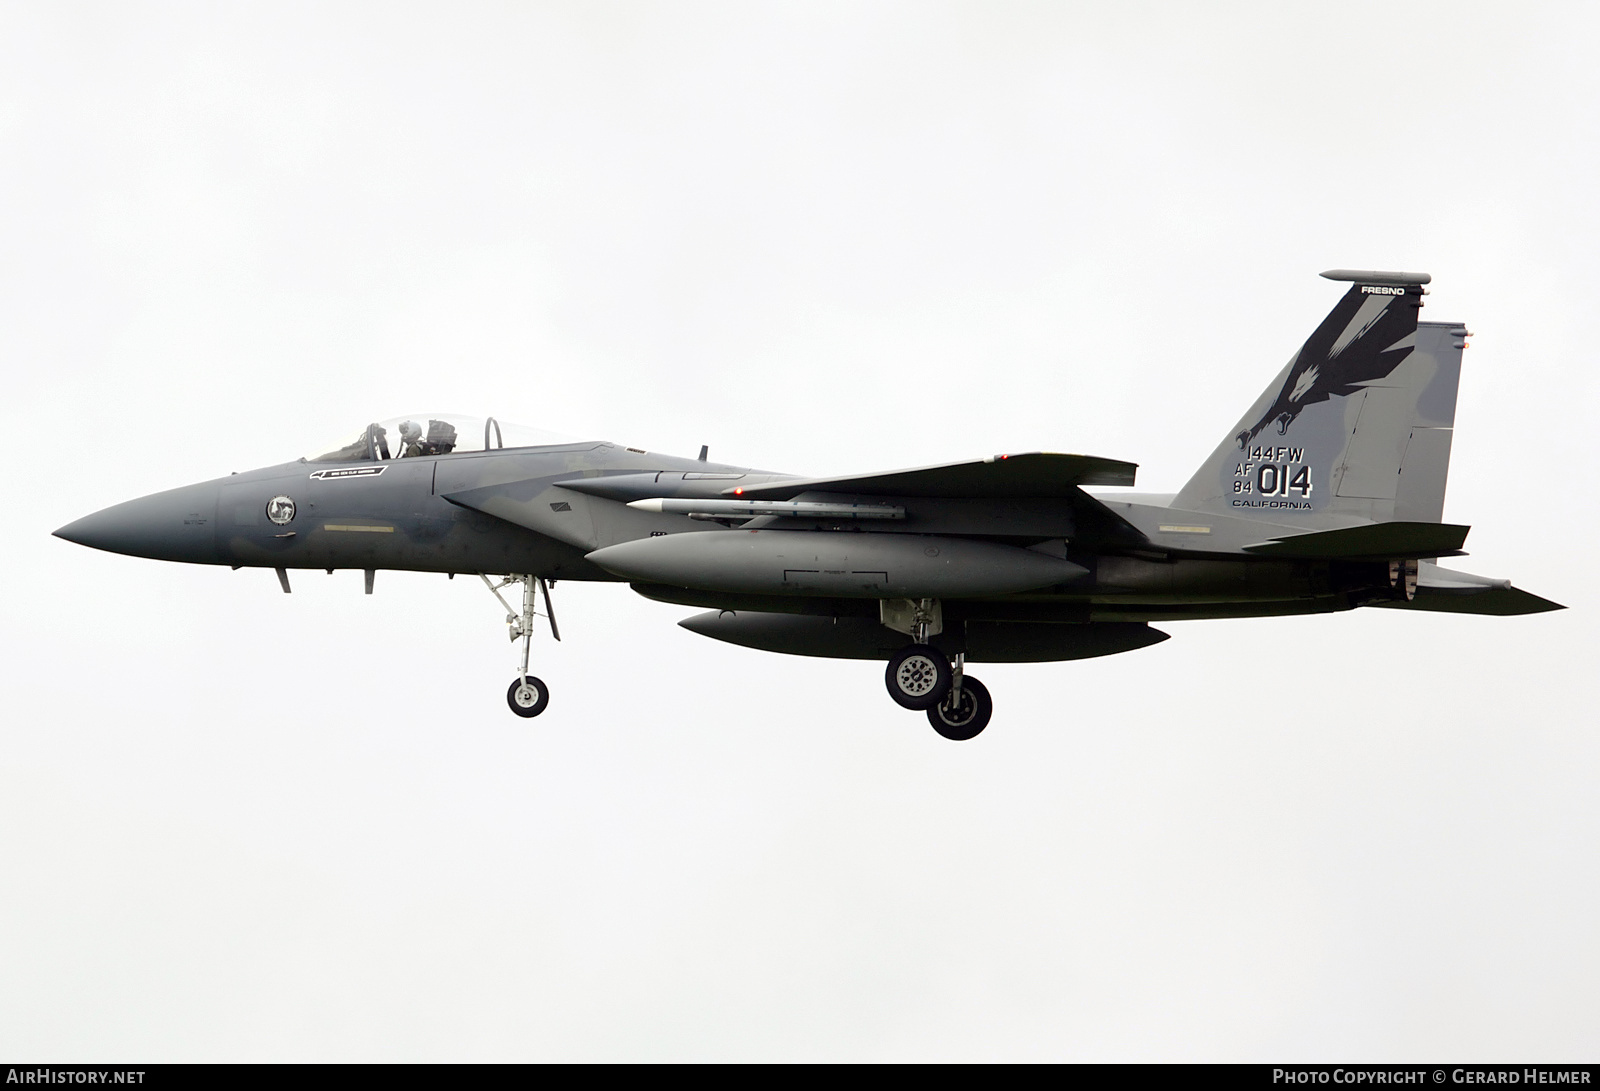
(1038, 474)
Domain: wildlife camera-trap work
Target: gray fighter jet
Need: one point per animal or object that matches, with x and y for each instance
(1327, 495)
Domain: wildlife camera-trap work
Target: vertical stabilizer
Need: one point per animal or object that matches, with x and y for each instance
(1357, 426)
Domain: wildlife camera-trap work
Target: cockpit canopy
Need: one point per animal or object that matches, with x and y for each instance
(436, 434)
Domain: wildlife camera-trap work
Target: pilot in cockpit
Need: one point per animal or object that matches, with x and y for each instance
(441, 438)
(411, 443)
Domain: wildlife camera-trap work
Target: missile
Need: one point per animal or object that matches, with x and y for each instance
(750, 509)
(625, 487)
(847, 564)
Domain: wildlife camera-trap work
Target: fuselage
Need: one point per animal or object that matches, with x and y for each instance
(550, 507)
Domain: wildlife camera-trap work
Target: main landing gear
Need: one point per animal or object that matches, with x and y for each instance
(964, 712)
(918, 677)
(528, 696)
(921, 678)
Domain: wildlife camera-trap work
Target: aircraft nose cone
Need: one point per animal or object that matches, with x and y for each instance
(177, 525)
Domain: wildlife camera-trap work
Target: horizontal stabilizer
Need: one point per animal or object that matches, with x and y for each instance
(1008, 476)
(1444, 591)
(1371, 541)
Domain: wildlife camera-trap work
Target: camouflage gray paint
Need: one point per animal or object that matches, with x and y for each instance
(1328, 495)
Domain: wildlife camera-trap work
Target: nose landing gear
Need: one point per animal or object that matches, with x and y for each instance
(528, 696)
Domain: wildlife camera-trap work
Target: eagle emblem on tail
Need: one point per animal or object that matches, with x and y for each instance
(1363, 339)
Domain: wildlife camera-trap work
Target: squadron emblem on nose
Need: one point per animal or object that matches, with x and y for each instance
(280, 509)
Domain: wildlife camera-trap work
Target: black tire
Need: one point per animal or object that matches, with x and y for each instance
(541, 697)
(970, 719)
(918, 677)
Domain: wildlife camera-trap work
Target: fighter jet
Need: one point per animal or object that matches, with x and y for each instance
(1327, 495)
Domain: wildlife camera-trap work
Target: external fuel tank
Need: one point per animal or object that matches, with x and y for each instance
(847, 564)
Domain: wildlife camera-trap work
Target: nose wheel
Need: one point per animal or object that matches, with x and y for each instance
(528, 696)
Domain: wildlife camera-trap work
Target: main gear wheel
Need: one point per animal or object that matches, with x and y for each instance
(962, 715)
(918, 677)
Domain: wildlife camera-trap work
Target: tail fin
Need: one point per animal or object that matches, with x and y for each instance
(1358, 425)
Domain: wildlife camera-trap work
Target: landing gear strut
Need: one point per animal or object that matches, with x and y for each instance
(1403, 578)
(919, 675)
(528, 696)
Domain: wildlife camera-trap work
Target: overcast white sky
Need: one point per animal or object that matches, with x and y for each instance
(820, 238)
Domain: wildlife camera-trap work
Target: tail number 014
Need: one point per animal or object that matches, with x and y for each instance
(1272, 479)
